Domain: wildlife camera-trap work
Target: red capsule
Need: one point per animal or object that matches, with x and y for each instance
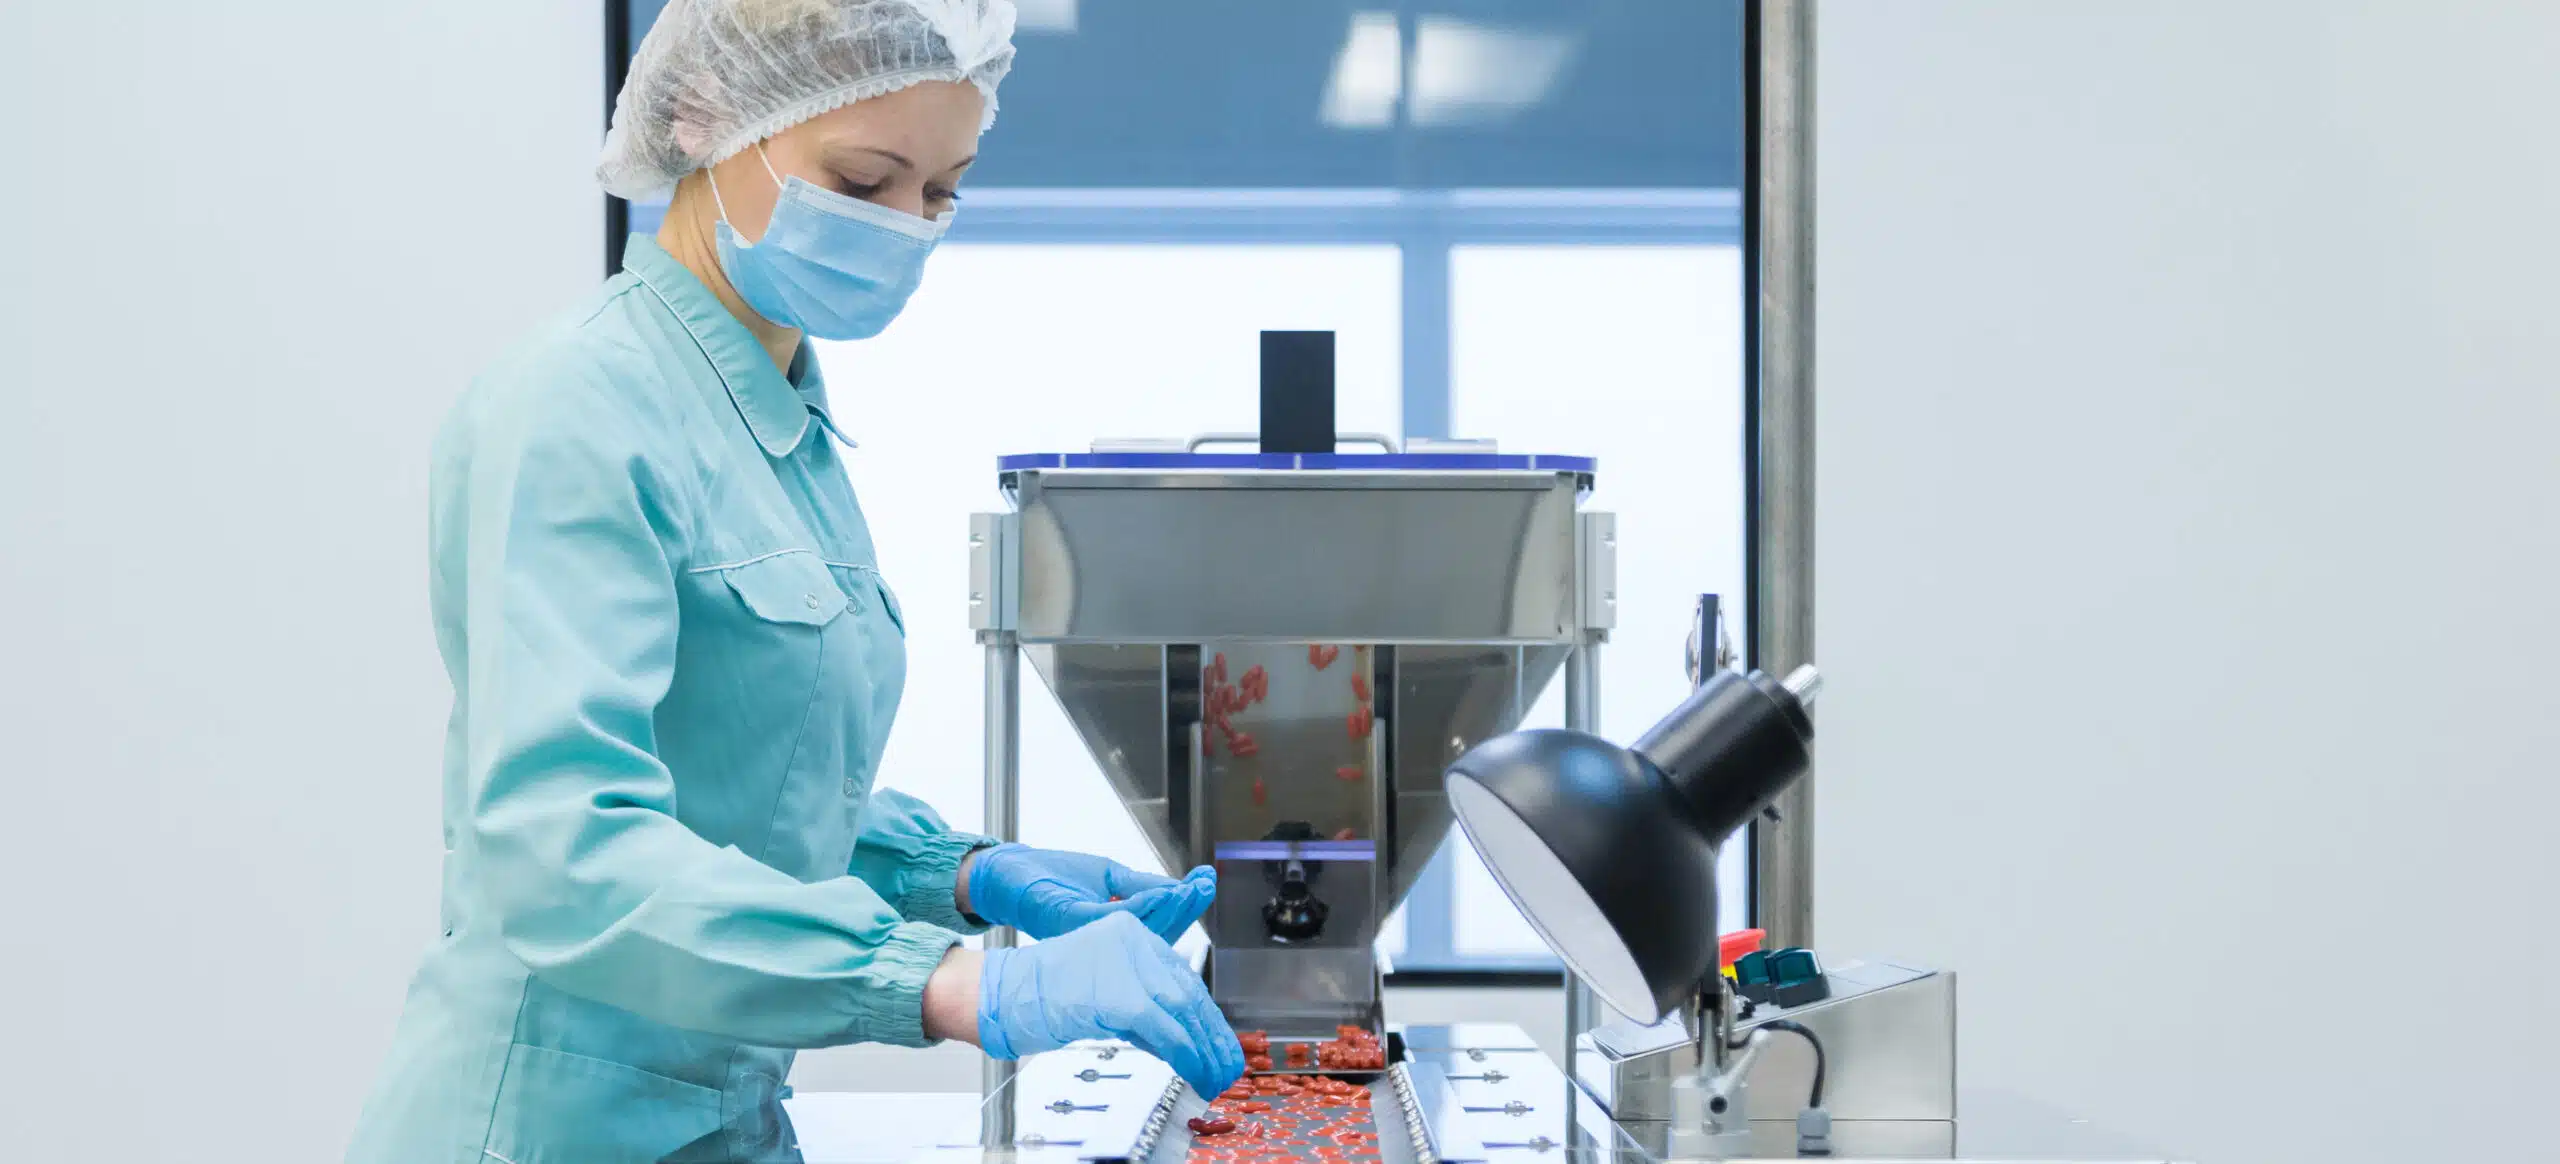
(1349, 772)
(1360, 687)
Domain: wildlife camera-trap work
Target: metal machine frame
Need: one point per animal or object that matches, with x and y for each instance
(1515, 582)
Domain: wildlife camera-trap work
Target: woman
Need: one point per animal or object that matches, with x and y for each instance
(675, 663)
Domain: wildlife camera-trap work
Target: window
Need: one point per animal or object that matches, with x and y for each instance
(1519, 218)
(1631, 354)
(1008, 348)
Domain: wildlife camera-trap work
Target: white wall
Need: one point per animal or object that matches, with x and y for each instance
(2188, 408)
(254, 250)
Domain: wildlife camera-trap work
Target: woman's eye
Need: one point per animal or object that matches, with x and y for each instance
(942, 195)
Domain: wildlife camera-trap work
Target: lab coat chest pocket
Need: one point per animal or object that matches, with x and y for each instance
(804, 708)
(878, 651)
(791, 588)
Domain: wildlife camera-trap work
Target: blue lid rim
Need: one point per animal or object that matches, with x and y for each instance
(1534, 462)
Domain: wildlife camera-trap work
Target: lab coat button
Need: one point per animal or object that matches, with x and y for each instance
(851, 789)
(813, 602)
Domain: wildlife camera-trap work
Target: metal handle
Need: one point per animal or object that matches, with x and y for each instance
(1727, 1087)
(1381, 440)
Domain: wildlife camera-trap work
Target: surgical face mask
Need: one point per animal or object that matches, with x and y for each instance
(834, 267)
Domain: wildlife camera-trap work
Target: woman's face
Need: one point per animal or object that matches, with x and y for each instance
(904, 150)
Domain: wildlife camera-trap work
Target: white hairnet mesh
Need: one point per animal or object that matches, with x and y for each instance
(717, 76)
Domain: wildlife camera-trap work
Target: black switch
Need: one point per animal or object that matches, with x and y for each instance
(1297, 392)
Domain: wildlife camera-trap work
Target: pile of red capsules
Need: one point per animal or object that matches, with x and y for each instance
(1351, 1049)
(1271, 1119)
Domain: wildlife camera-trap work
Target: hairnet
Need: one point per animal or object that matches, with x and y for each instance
(717, 76)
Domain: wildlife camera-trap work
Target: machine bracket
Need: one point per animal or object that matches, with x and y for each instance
(994, 565)
(1596, 570)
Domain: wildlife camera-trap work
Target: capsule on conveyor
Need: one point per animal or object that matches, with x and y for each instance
(1278, 1119)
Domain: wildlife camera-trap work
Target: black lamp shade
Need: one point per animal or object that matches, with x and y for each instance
(1610, 852)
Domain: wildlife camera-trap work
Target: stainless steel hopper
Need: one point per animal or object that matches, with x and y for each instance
(1273, 657)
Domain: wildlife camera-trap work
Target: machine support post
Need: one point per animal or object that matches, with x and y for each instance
(1582, 686)
(1582, 1009)
(1779, 225)
(1004, 784)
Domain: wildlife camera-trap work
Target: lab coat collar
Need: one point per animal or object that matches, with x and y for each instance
(812, 386)
(773, 406)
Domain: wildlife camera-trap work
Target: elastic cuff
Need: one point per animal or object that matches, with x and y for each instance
(888, 1004)
(930, 881)
(993, 1040)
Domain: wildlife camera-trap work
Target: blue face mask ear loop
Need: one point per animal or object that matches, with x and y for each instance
(723, 207)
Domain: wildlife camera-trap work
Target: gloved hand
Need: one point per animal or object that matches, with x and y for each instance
(1045, 893)
(1109, 980)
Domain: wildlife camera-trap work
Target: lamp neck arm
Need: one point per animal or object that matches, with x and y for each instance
(1731, 748)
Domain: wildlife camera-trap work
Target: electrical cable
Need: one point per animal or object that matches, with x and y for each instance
(1819, 1060)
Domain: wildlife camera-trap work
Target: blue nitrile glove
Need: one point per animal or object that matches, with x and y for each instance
(1045, 893)
(1110, 980)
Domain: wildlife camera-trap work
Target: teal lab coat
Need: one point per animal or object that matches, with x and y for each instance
(674, 665)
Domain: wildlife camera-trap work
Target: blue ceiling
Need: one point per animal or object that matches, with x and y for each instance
(1232, 94)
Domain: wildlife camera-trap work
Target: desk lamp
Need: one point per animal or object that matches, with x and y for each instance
(1610, 852)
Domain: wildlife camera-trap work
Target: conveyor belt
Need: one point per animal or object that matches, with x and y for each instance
(1370, 1127)
(1460, 1096)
